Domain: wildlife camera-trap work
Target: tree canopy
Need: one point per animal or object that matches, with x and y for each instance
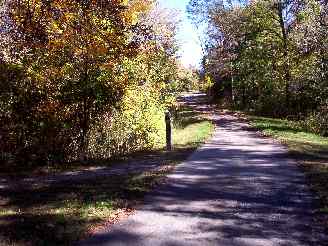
(83, 78)
(271, 55)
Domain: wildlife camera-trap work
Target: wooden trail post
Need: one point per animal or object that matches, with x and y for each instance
(168, 123)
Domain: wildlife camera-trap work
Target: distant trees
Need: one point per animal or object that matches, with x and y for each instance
(273, 56)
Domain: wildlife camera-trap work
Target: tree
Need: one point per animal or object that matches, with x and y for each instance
(73, 55)
(273, 51)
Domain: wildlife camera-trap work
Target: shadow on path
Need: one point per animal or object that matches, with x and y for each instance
(238, 189)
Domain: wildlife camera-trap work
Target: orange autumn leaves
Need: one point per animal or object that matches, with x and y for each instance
(82, 63)
(72, 52)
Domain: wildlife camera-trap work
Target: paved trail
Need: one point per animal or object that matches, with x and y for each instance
(239, 189)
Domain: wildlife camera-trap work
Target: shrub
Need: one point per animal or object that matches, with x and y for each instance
(137, 125)
(317, 122)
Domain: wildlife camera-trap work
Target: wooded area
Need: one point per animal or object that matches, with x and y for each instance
(92, 79)
(270, 56)
(85, 79)
(84, 89)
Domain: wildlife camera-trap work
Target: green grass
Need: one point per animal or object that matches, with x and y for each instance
(190, 128)
(300, 142)
(62, 213)
(311, 151)
(193, 135)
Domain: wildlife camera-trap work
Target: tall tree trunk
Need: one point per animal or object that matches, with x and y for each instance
(84, 125)
(85, 115)
(287, 75)
(243, 99)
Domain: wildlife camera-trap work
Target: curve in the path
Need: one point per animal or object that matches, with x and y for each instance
(239, 189)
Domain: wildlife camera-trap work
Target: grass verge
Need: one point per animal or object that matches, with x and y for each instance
(63, 212)
(190, 128)
(310, 150)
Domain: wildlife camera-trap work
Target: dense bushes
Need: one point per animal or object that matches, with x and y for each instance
(138, 124)
(83, 79)
(317, 122)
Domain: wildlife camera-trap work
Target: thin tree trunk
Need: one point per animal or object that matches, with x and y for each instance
(287, 75)
(85, 116)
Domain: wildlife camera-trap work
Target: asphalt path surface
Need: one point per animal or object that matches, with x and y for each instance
(238, 189)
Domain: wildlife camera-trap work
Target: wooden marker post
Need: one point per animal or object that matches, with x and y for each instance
(168, 123)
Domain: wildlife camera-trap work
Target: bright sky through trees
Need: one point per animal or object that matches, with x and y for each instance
(188, 38)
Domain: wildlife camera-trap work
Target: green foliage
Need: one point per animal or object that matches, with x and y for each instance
(274, 55)
(61, 213)
(207, 83)
(317, 122)
(137, 125)
(302, 143)
(84, 79)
